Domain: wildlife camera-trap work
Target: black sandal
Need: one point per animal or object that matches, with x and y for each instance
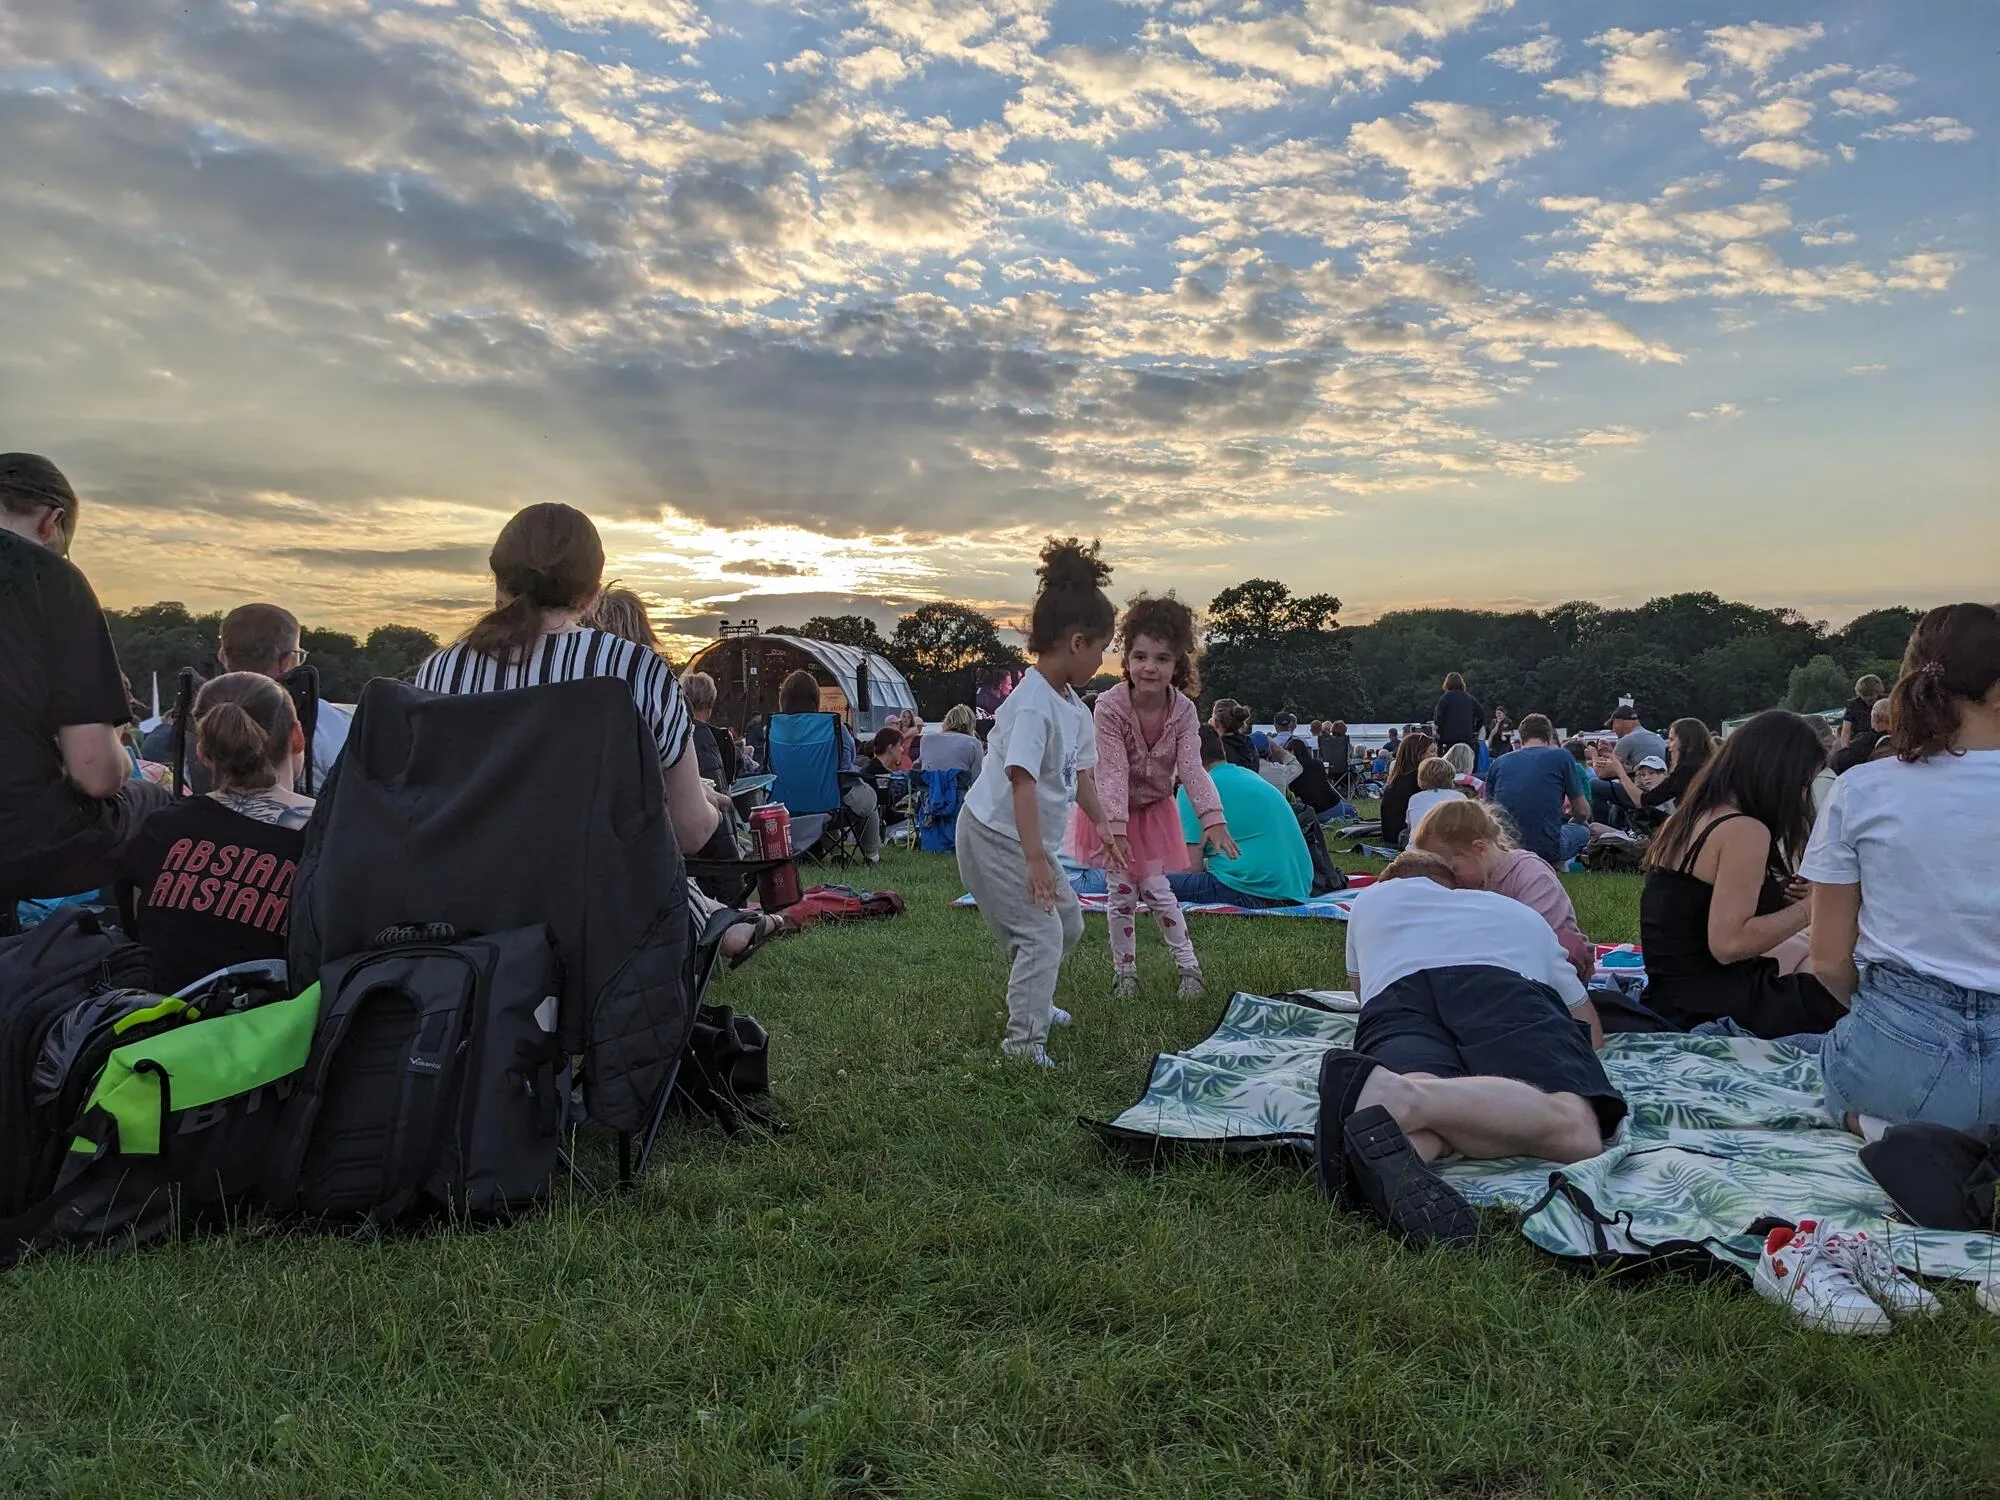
(764, 927)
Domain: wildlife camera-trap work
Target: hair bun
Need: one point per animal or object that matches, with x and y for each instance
(1068, 564)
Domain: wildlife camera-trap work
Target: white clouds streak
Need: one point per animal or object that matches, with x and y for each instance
(1451, 145)
(1639, 68)
(1756, 46)
(1537, 55)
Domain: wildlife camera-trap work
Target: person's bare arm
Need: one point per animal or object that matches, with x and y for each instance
(1623, 777)
(1735, 931)
(93, 758)
(1116, 848)
(1587, 1013)
(1836, 927)
(689, 806)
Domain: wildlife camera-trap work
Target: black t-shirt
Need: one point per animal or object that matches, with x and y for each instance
(1859, 713)
(708, 758)
(1311, 786)
(57, 668)
(209, 887)
(1457, 714)
(1395, 810)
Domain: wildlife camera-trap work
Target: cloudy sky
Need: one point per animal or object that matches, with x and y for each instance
(1452, 300)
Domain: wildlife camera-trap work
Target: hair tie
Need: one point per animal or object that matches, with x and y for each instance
(1934, 670)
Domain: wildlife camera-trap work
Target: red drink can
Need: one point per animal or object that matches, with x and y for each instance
(771, 836)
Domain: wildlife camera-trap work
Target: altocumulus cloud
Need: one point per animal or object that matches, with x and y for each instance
(308, 284)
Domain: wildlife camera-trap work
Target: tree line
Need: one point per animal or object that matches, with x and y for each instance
(1683, 654)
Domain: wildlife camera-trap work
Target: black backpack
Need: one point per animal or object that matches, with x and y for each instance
(45, 974)
(436, 1083)
(1327, 877)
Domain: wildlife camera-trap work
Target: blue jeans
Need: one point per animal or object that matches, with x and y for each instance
(1200, 888)
(1573, 839)
(1915, 1048)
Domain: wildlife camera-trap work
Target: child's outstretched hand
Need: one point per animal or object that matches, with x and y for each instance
(1117, 853)
(1220, 841)
(1042, 882)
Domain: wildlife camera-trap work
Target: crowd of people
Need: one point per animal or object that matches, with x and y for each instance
(1833, 889)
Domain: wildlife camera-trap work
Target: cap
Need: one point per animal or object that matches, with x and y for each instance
(1652, 763)
(1624, 711)
(1286, 721)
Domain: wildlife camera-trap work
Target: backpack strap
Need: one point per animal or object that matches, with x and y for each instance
(429, 1068)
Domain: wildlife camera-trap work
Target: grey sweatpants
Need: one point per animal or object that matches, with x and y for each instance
(994, 868)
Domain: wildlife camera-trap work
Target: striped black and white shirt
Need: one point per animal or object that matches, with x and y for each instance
(569, 656)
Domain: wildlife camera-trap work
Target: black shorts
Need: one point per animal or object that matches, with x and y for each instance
(1473, 1020)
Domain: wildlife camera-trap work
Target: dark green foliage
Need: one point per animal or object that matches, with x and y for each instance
(940, 647)
(164, 638)
(845, 630)
(1272, 650)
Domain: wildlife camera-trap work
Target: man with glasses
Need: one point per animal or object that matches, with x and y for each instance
(68, 801)
(261, 638)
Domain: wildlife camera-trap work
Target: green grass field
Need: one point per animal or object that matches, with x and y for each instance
(939, 1285)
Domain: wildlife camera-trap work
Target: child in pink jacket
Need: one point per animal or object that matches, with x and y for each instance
(1149, 738)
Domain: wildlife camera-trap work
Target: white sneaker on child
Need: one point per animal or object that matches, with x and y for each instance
(1124, 983)
(1037, 1054)
(1987, 1294)
(1058, 1016)
(1868, 1263)
(1799, 1273)
(1193, 986)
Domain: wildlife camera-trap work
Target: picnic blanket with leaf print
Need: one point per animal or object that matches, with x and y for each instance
(1331, 907)
(1723, 1132)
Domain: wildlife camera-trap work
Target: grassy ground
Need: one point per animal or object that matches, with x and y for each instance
(939, 1285)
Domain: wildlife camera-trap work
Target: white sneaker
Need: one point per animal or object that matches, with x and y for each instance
(1193, 986)
(1058, 1016)
(1868, 1263)
(1987, 1294)
(1797, 1272)
(1124, 983)
(1038, 1055)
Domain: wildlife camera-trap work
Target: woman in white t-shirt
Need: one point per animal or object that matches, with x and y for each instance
(1905, 865)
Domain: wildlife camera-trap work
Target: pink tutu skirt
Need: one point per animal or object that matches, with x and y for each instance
(1153, 834)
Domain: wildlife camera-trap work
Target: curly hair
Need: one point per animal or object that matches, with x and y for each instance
(1170, 622)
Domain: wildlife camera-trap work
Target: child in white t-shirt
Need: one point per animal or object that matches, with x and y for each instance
(1905, 866)
(1038, 763)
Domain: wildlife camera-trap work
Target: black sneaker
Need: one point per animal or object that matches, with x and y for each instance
(1385, 1171)
(1341, 1074)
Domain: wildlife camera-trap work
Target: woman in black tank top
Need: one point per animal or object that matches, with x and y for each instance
(1762, 775)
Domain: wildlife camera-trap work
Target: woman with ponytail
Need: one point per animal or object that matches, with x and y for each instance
(208, 881)
(1905, 866)
(548, 574)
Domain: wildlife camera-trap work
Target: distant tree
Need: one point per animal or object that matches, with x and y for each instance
(1275, 651)
(1821, 683)
(845, 630)
(1879, 635)
(397, 651)
(162, 638)
(939, 647)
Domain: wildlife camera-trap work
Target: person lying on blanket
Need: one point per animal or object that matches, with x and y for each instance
(1476, 1039)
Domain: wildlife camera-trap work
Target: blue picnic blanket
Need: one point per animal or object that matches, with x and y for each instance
(1723, 1132)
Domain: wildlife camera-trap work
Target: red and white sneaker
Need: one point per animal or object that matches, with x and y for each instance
(1798, 1272)
(1888, 1283)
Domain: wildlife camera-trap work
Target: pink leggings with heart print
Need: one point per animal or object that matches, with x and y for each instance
(1122, 896)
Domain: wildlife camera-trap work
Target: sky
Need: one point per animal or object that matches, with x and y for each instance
(820, 307)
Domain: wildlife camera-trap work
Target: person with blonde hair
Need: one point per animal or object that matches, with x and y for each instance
(621, 612)
(1471, 837)
(957, 747)
(1436, 784)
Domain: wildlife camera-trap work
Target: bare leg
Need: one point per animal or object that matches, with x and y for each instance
(1794, 953)
(1484, 1118)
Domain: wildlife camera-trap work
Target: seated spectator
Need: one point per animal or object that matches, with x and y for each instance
(1689, 746)
(1869, 745)
(69, 804)
(1232, 721)
(261, 638)
(1859, 719)
(1499, 732)
(1824, 777)
(1436, 783)
(621, 612)
(956, 747)
(1535, 784)
(1476, 1038)
(1314, 786)
(799, 694)
(1482, 856)
(1411, 751)
(1635, 740)
(1457, 715)
(1271, 866)
(1461, 760)
(548, 568)
(1277, 763)
(715, 751)
(1721, 911)
(1336, 752)
(1285, 731)
(208, 881)
(886, 759)
(1905, 866)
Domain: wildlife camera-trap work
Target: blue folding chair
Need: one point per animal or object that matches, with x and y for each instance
(804, 759)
